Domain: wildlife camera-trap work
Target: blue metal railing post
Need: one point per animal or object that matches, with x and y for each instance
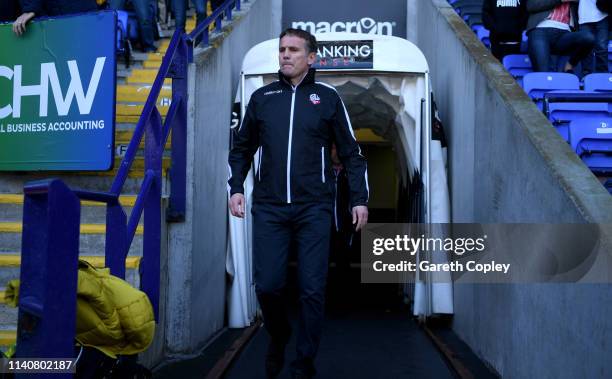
(116, 248)
(152, 210)
(178, 170)
(49, 264)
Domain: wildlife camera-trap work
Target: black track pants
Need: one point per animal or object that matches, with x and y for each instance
(306, 227)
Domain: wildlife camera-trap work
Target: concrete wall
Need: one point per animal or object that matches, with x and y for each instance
(197, 248)
(508, 164)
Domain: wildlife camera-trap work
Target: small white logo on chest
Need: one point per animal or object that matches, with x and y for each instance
(273, 92)
(314, 98)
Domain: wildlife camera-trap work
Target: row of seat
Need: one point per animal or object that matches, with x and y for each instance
(586, 122)
(471, 12)
(581, 116)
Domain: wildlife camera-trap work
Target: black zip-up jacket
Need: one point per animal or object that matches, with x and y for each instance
(506, 20)
(9, 10)
(293, 128)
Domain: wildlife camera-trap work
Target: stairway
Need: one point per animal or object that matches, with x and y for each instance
(133, 87)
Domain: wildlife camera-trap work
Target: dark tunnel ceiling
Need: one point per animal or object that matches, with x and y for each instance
(366, 110)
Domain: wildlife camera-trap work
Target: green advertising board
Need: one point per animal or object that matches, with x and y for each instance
(57, 94)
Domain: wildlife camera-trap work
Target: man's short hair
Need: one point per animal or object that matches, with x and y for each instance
(311, 41)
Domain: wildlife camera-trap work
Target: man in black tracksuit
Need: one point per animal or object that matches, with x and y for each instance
(505, 20)
(291, 124)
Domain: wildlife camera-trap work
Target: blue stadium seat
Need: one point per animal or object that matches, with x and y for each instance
(561, 114)
(536, 84)
(608, 185)
(482, 33)
(592, 141)
(463, 3)
(123, 41)
(517, 65)
(600, 82)
(524, 44)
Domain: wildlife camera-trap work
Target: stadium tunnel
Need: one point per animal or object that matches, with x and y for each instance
(519, 170)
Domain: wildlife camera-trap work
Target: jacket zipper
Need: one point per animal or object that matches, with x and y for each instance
(289, 146)
(323, 164)
(336, 199)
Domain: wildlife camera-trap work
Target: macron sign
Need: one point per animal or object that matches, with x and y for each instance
(386, 17)
(57, 94)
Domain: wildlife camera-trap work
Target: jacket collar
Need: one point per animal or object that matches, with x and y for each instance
(308, 79)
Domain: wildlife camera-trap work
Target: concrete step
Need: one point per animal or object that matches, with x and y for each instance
(135, 110)
(145, 76)
(123, 73)
(8, 337)
(154, 57)
(93, 229)
(123, 138)
(14, 182)
(11, 209)
(91, 240)
(163, 45)
(8, 317)
(12, 260)
(121, 66)
(136, 170)
(140, 93)
(190, 24)
(141, 57)
(152, 65)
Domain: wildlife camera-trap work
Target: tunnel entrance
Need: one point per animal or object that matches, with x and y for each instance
(389, 106)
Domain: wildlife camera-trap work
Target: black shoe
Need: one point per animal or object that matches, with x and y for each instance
(275, 358)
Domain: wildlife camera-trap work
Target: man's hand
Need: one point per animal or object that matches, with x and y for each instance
(236, 204)
(19, 26)
(360, 216)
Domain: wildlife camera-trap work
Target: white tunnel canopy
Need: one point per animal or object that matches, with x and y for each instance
(391, 54)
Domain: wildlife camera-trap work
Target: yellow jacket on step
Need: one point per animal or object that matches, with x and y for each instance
(112, 316)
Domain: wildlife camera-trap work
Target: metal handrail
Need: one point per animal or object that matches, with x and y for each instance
(216, 16)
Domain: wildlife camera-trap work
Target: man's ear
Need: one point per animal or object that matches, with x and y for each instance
(312, 57)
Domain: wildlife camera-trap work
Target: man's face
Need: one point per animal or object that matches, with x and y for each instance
(293, 57)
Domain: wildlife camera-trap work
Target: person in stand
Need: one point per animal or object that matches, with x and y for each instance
(292, 122)
(551, 30)
(38, 8)
(9, 10)
(505, 20)
(179, 9)
(593, 20)
(145, 13)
